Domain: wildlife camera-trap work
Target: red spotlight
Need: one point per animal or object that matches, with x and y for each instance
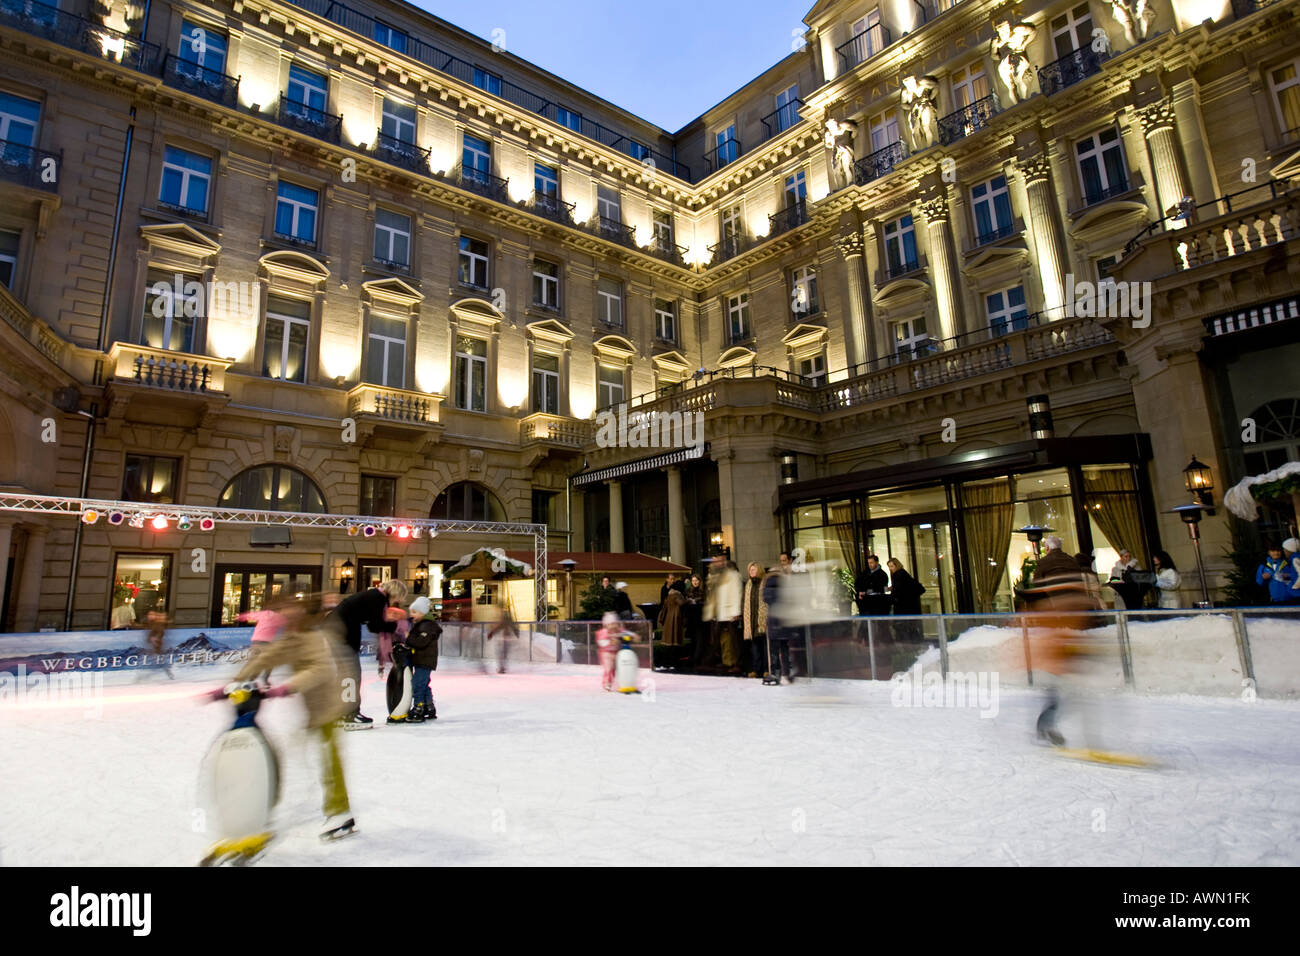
(158, 522)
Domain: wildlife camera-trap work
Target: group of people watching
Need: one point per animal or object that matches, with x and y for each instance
(1279, 573)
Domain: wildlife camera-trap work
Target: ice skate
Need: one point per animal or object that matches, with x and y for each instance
(337, 827)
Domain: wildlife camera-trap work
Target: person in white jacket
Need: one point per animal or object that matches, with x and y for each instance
(723, 604)
(1167, 580)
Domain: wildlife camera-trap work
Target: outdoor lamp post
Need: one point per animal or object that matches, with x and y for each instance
(1199, 480)
(421, 577)
(345, 575)
(716, 540)
(567, 566)
(1191, 514)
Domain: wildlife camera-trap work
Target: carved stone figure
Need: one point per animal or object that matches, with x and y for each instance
(839, 139)
(921, 100)
(1135, 16)
(1010, 42)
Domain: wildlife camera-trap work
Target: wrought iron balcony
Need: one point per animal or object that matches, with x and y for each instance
(781, 118)
(401, 153)
(1093, 197)
(481, 182)
(722, 154)
(993, 235)
(614, 230)
(69, 30)
(199, 80)
(967, 120)
(862, 47)
(898, 270)
(792, 216)
(664, 248)
(28, 166)
(307, 119)
(728, 247)
(552, 207)
(1244, 8)
(880, 163)
(1070, 69)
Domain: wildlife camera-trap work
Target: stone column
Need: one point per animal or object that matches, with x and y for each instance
(32, 575)
(676, 517)
(577, 521)
(616, 516)
(943, 268)
(1162, 141)
(1194, 140)
(1049, 248)
(862, 337)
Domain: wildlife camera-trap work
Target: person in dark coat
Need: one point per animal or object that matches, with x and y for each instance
(623, 603)
(423, 642)
(373, 609)
(905, 595)
(672, 617)
(872, 588)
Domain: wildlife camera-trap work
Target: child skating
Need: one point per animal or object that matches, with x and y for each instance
(423, 642)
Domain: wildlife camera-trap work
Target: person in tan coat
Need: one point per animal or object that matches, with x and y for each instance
(672, 617)
(754, 621)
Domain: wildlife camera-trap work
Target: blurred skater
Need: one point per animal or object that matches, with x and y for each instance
(154, 639)
(504, 628)
(607, 643)
(267, 625)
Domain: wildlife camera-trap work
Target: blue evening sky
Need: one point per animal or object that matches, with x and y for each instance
(666, 61)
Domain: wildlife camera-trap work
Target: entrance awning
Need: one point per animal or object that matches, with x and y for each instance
(642, 464)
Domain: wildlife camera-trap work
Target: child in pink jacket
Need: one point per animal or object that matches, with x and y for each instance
(607, 641)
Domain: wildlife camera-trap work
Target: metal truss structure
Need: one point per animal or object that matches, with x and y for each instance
(77, 507)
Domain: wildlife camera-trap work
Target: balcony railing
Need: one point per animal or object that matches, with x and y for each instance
(967, 120)
(554, 430)
(862, 47)
(481, 182)
(1070, 69)
(722, 154)
(444, 62)
(192, 78)
(164, 369)
(69, 30)
(880, 163)
(781, 118)
(307, 119)
(401, 153)
(28, 166)
(664, 248)
(1258, 195)
(553, 208)
(614, 230)
(397, 405)
(993, 235)
(1244, 8)
(729, 247)
(792, 216)
(1110, 192)
(897, 270)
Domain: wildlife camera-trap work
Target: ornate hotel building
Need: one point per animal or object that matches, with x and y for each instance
(309, 256)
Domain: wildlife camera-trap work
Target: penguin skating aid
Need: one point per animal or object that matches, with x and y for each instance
(240, 777)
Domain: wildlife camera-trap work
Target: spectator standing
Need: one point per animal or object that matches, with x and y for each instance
(376, 608)
(905, 592)
(1277, 575)
(755, 621)
(722, 610)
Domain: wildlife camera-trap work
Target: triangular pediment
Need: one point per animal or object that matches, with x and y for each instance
(672, 362)
(479, 311)
(179, 237)
(298, 266)
(393, 291)
(803, 335)
(615, 346)
(736, 356)
(550, 330)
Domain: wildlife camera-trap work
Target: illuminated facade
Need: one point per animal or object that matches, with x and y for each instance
(228, 242)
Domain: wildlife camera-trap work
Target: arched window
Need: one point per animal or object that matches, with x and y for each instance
(273, 488)
(1277, 436)
(467, 501)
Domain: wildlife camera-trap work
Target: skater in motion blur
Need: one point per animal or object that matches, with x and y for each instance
(267, 625)
(607, 642)
(503, 630)
(312, 646)
(154, 637)
(375, 608)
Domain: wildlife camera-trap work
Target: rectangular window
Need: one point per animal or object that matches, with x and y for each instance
(738, 317)
(883, 130)
(386, 352)
(969, 84)
(1072, 30)
(992, 205)
(663, 226)
(201, 48)
(900, 246)
(489, 82)
(1285, 84)
(186, 178)
(392, 238)
(796, 189)
(141, 583)
(609, 387)
(728, 150)
(295, 212)
(149, 478)
(288, 322)
(546, 384)
(399, 121)
(803, 291)
(172, 301)
(1007, 312)
(545, 181)
(390, 37)
(787, 108)
(638, 151)
(544, 512)
(546, 284)
(608, 204)
(476, 158)
(471, 374)
(1102, 171)
(730, 231)
(378, 496)
(868, 38)
(473, 262)
(307, 89)
(609, 301)
(1106, 263)
(18, 120)
(8, 257)
(569, 118)
(813, 369)
(910, 338)
(666, 320)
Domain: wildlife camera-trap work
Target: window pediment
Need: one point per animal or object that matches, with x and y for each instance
(179, 238)
(736, 356)
(478, 312)
(392, 291)
(615, 347)
(804, 335)
(549, 330)
(995, 258)
(672, 362)
(1110, 217)
(294, 266)
(901, 289)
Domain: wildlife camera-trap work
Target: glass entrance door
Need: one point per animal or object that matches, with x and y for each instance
(924, 548)
(243, 589)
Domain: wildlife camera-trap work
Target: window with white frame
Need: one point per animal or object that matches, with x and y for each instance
(475, 158)
(474, 262)
(471, 373)
(867, 38)
(545, 181)
(202, 52)
(608, 204)
(991, 205)
(1006, 311)
(666, 320)
(730, 223)
(546, 383)
(569, 118)
(728, 150)
(186, 179)
(969, 84)
(803, 291)
(295, 212)
(390, 37)
(796, 189)
(546, 284)
(392, 238)
(609, 386)
(172, 302)
(911, 338)
(19, 117)
(288, 324)
(609, 301)
(307, 90)
(1102, 171)
(738, 326)
(386, 351)
(486, 81)
(1072, 30)
(883, 130)
(900, 246)
(663, 228)
(398, 120)
(8, 257)
(1284, 81)
(813, 368)
(787, 108)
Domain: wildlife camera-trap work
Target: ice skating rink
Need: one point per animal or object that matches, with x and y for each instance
(539, 766)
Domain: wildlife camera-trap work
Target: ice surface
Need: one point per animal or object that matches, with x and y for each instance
(539, 766)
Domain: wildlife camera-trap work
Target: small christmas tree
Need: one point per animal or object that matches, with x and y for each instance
(595, 601)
